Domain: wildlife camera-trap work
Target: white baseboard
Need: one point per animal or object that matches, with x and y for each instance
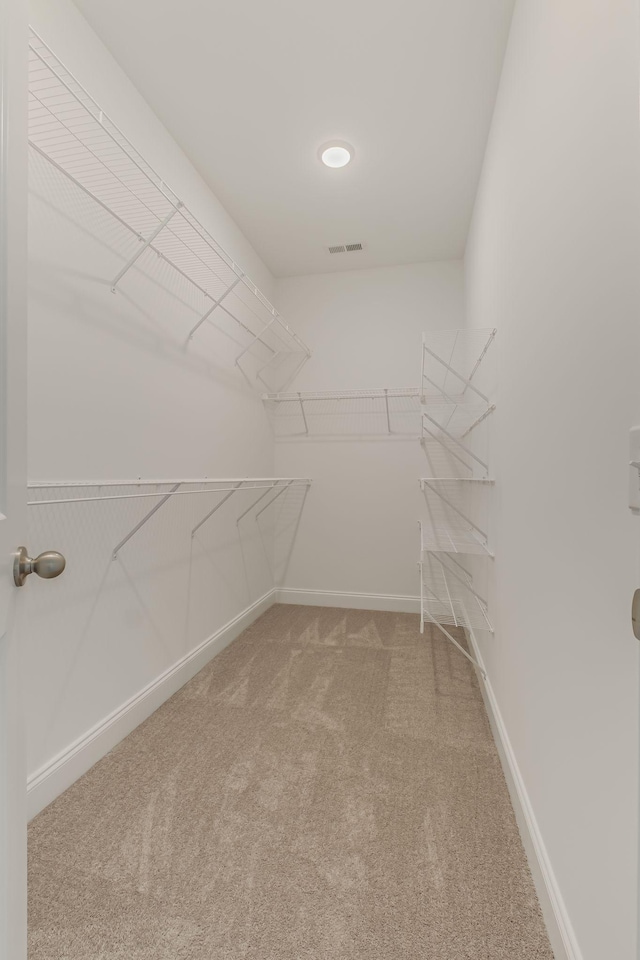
(559, 927)
(352, 601)
(58, 774)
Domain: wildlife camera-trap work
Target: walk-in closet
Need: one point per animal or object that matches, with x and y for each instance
(319, 480)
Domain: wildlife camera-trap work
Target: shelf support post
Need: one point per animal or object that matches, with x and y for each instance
(304, 416)
(386, 404)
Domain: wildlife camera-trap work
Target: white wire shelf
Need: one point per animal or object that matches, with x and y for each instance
(55, 492)
(448, 594)
(457, 515)
(451, 360)
(451, 424)
(386, 410)
(69, 129)
(449, 601)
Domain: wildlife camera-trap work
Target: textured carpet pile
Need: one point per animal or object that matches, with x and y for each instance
(327, 788)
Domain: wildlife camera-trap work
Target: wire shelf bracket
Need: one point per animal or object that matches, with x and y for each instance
(143, 247)
(466, 350)
(457, 506)
(427, 431)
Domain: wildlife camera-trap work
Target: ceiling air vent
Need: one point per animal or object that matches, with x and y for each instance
(345, 248)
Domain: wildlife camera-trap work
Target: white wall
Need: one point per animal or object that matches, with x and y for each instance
(552, 261)
(358, 533)
(114, 393)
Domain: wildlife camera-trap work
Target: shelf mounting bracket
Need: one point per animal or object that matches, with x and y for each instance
(144, 246)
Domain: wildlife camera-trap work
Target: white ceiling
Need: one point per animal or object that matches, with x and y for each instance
(251, 89)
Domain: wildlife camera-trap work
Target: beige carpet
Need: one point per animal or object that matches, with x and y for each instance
(326, 789)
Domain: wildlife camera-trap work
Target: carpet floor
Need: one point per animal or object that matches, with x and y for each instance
(327, 788)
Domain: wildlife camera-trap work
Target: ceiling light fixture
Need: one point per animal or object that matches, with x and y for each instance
(336, 154)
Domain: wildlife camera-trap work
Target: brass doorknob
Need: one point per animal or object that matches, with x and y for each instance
(47, 565)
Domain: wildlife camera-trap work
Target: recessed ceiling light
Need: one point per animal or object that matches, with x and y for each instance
(336, 154)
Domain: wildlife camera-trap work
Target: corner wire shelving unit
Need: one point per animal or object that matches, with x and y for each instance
(49, 493)
(70, 130)
(455, 413)
(390, 411)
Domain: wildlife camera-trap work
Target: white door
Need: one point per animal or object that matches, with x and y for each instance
(13, 490)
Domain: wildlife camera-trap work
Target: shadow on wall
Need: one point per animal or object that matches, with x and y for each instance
(187, 310)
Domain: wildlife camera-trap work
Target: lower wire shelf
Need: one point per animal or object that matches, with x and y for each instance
(449, 599)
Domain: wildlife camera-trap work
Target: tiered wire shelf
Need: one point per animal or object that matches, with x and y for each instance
(457, 513)
(70, 130)
(52, 493)
(456, 378)
(451, 425)
(449, 595)
(387, 411)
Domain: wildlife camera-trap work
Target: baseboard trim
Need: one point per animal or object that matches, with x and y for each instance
(353, 601)
(559, 927)
(58, 774)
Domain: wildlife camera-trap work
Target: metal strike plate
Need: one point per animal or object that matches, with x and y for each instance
(635, 614)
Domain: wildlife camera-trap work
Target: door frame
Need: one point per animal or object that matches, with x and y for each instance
(13, 480)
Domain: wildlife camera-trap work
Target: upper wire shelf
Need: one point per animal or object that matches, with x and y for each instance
(387, 410)
(73, 133)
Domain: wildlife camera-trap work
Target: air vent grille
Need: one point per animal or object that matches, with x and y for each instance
(345, 248)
